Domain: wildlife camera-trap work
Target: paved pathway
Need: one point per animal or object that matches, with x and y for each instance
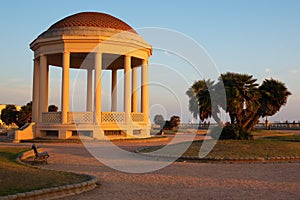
(178, 180)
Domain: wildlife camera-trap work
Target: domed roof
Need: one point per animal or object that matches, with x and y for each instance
(86, 30)
(92, 19)
(83, 33)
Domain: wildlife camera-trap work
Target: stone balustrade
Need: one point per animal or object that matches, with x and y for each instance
(51, 117)
(88, 117)
(80, 117)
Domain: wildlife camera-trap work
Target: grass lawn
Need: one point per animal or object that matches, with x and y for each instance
(262, 147)
(16, 178)
(265, 133)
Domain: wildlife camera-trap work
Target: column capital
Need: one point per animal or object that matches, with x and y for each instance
(145, 61)
(41, 55)
(97, 52)
(128, 55)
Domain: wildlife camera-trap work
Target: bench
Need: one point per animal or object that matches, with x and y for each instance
(40, 157)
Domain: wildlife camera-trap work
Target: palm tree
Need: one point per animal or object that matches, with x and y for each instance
(242, 95)
(200, 102)
(203, 96)
(193, 102)
(245, 101)
(274, 95)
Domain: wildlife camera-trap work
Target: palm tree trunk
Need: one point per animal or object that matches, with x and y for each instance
(249, 124)
(217, 119)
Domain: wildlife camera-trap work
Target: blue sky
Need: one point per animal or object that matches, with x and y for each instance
(255, 37)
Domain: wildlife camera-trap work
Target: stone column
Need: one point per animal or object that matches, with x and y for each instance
(65, 87)
(145, 90)
(89, 89)
(43, 86)
(47, 87)
(98, 87)
(35, 91)
(127, 105)
(134, 97)
(114, 90)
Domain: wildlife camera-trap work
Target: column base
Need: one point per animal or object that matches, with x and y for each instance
(129, 133)
(145, 133)
(98, 134)
(64, 134)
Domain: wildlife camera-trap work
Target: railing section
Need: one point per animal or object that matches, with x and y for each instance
(119, 117)
(112, 117)
(137, 117)
(80, 117)
(88, 117)
(51, 117)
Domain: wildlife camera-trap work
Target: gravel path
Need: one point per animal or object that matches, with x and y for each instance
(178, 180)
